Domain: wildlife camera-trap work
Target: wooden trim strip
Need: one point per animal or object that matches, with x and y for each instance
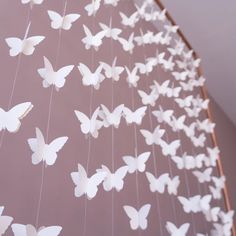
(209, 113)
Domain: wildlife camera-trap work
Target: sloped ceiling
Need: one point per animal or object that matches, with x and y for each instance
(210, 28)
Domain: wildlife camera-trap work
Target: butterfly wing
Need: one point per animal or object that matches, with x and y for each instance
(15, 45)
(119, 176)
(30, 43)
(131, 162)
(142, 159)
(148, 136)
(152, 182)
(56, 19)
(61, 75)
(84, 120)
(52, 231)
(68, 20)
(19, 230)
(132, 213)
(143, 213)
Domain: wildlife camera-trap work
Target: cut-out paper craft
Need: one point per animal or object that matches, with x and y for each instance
(144, 38)
(216, 192)
(200, 103)
(160, 88)
(36, 2)
(212, 214)
(173, 91)
(87, 185)
(177, 123)
(111, 32)
(190, 130)
(221, 229)
(157, 184)
(205, 125)
(132, 77)
(91, 78)
(157, 39)
(25, 45)
(204, 176)
(146, 68)
(51, 77)
(113, 71)
(89, 125)
(168, 64)
(127, 45)
(129, 20)
(141, 9)
(30, 230)
(154, 137)
(192, 112)
(226, 217)
(62, 22)
(185, 102)
(188, 162)
(175, 231)
(169, 148)
(163, 116)
(114, 3)
(5, 221)
(148, 99)
(199, 141)
(111, 118)
(43, 151)
(136, 116)
(173, 185)
(213, 155)
(136, 163)
(178, 48)
(138, 218)
(180, 75)
(93, 7)
(11, 120)
(94, 41)
(219, 181)
(114, 180)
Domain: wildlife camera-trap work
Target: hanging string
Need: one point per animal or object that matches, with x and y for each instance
(28, 23)
(89, 136)
(48, 123)
(153, 147)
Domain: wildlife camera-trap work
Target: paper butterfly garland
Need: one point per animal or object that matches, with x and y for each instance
(30, 230)
(10, 120)
(62, 22)
(45, 152)
(87, 185)
(138, 218)
(51, 77)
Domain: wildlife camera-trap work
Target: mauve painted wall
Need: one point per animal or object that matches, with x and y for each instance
(20, 180)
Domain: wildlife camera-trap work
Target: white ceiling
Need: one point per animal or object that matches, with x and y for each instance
(210, 27)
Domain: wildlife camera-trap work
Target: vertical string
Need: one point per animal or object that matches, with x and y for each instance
(89, 136)
(16, 73)
(153, 147)
(48, 123)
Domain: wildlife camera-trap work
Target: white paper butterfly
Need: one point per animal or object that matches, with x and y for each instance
(89, 125)
(87, 185)
(177, 123)
(132, 77)
(170, 148)
(160, 88)
(190, 204)
(148, 99)
(114, 180)
(25, 45)
(212, 214)
(51, 77)
(30, 230)
(226, 217)
(138, 218)
(144, 38)
(91, 78)
(43, 151)
(192, 112)
(174, 231)
(185, 102)
(163, 116)
(127, 45)
(111, 2)
(173, 92)
(113, 71)
(129, 20)
(213, 155)
(204, 176)
(62, 22)
(206, 126)
(5, 221)
(93, 7)
(190, 130)
(221, 229)
(111, 32)
(169, 64)
(157, 184)
(111, 118)
(37, 2)
(94, 41)
(145, 68)
(199, 141)
(154, 137)
(10, 120)
(173, 185)
(134, 116)
(136, 163)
